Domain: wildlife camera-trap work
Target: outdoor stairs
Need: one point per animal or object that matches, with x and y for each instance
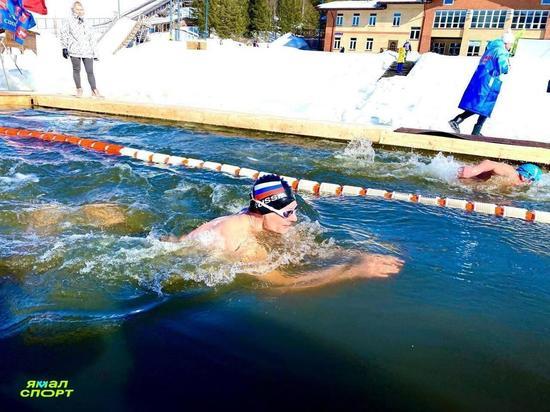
(137, 27)
(392, 70)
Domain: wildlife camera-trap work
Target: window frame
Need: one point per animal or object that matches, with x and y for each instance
(370, 41)
(414, 30)
(397, 16)
(454, 46)
(337, 45)
(442, 44)
(472, 46)
(448, 2)
(352, 44)
(372, 19)
(525, 19)
(449, 19)
(488, 19)
(356, 17)
(339, 20)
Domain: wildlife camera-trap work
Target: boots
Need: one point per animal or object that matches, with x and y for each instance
(477, 130)
(454, 124)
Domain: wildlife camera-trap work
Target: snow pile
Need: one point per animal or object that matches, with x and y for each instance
(284, 81)
(289, 40)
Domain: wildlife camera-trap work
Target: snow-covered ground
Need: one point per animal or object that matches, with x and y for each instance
(283, 81)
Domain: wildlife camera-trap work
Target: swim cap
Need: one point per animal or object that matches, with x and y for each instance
(273, 191)
(530, 172)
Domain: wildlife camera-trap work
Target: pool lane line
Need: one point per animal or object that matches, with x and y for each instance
(299, 185)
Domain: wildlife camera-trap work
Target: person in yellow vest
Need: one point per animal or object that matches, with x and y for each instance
(401, 55)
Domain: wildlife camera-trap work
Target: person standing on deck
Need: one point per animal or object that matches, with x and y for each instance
(79, 44)
(482, 92)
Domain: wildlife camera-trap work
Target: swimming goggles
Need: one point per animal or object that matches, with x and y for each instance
(285, 215)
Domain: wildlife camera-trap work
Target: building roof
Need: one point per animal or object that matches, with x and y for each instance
(366, 4)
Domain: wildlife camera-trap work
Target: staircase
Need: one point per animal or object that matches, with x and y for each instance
(392, 70)
(140, 24)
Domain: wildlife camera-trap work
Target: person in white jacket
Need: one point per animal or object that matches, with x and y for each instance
(79, 44)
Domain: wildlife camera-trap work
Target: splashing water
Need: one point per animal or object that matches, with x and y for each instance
(358, 150)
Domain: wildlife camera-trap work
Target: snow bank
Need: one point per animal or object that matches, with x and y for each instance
(284, 81)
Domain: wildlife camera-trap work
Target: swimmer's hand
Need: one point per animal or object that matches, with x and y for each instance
(374, 266)
(364, 266)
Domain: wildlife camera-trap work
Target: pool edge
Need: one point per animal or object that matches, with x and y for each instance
(289, 126)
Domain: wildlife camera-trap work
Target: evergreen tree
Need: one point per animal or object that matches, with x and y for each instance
(311, 16)
(290, 15)
(261, 16)
(228, 18)
(198, 12)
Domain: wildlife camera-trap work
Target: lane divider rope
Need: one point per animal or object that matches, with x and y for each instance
(299, 185)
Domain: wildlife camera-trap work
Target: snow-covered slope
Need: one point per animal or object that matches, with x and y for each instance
(307, 84)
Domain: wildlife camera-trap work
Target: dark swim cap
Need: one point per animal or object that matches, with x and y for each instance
(273, 190)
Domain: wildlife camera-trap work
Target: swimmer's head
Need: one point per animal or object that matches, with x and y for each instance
(529, 172)
(271, 190)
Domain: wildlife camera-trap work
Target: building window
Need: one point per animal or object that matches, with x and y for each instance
(337, 41)
(448, 2)
(415, 33)
(353, 43)
(355, 20)
(339, 19)
(529, 19)
(473, 48)
(372, 19)
(449, 19)
(545, 2)
(370, 42)
(396, 19)
(488, 19)
(454, 49)
(438, 47)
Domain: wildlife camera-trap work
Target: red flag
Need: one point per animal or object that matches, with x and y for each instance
(37, 6)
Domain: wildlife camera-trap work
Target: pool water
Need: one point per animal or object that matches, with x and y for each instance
(89, 294)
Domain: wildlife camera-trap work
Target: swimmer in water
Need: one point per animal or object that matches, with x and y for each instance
(525, 174)
(272, 211)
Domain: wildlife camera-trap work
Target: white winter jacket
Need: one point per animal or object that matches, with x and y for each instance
(77, 36)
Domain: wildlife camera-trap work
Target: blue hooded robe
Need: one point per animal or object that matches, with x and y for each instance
(482, 92)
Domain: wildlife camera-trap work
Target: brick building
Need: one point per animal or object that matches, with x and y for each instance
(452, 27)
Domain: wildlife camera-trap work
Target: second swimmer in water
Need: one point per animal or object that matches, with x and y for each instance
(525, 174)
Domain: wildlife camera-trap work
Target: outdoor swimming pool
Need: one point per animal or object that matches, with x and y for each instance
(136, 323)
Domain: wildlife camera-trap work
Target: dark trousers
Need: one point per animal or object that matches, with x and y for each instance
(399, 68)
(464, 115)
(89, 66)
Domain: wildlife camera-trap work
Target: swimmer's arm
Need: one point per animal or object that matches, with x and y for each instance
(364, 266)
(487, 167)
(467, 172)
